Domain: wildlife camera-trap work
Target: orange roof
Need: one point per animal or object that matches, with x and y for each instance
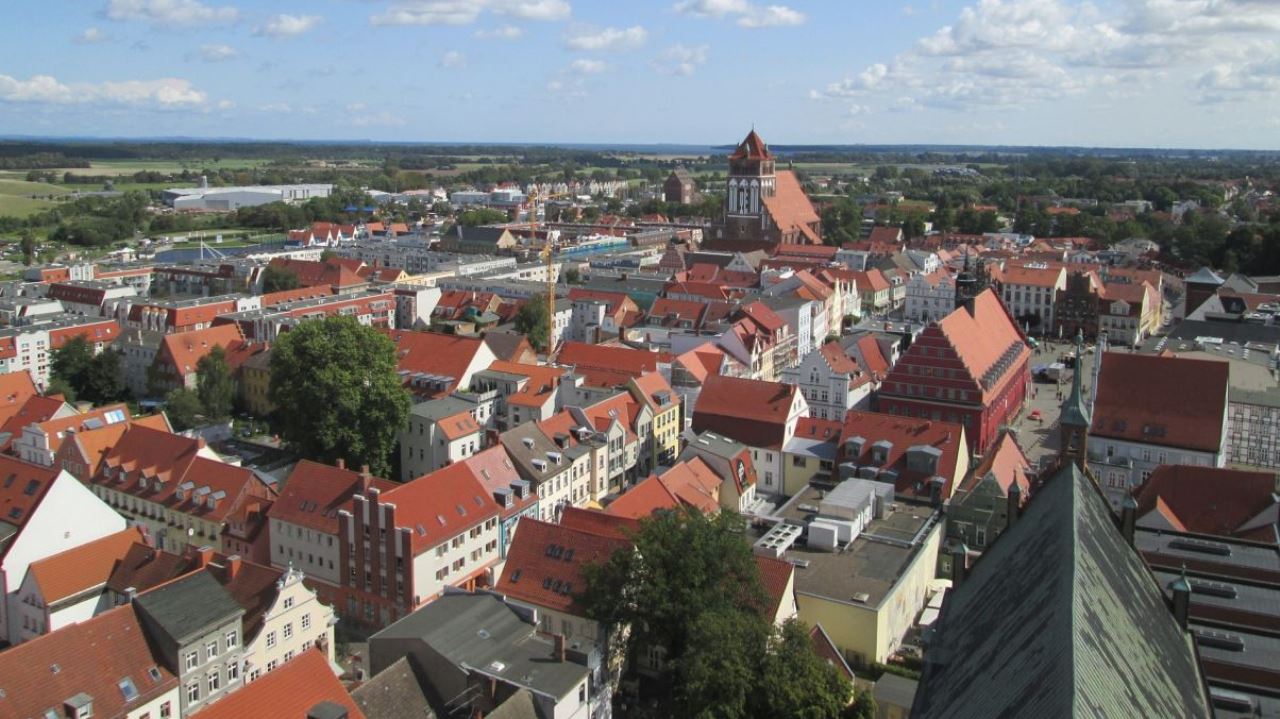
(544, 562)
(105, 331)
(440, 505)
(1209, 500)
(58, 429)
(457, 426)
(90, 657)
(981, 339)
(271, 299)
(542, 382)
(1006, 464)
(753, 412)
(1033, 276)
(751, 148)
(596, 522)
(314, 492)
(435, 353)
(22, 486)
(702, 361)
(184, 350)
(608, 363)
(15, 389)
(1169, 401)
(903, 433)
(290, 691)
(690, 483)
(790, 207)
(36, 409)
(82, 568)
(775, 576)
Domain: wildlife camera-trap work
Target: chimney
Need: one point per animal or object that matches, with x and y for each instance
(1181, 589)
(130, 593)
(203, 556)
(959, 564)
(1128, 517)
(1014, 506)
(340, 463)
(327, 710)
(233, 566)
(364, 472)
(559, 640)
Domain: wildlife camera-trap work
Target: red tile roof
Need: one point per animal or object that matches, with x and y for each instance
(838, 360)
(184, 350)
(873, 356)
(690, 483)
(981, 339)
(314, 492)
(440, 505)
(1007, 464)
(885, 235)
(493, 469)
(775, 578)
(544, 563)
(605, 365)
(753, 412)
(616, 303)
(435, 353)
(91, 657)
(311, 273)
(22, 486)
(56, 430)
(904, 433)
(1023, 275)
(1209, 500)
(873, 280)
(751, 148)
(75, 570)
(36, 409)
(1168, 401)
(15, 389)
(790, 209)
(290, 692)
(595, 522)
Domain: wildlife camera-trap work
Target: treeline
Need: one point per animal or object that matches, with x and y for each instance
(39, 160)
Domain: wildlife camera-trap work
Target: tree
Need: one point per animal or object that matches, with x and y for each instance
(103, 381)
(531, 321)
(481, 216)
(28, 246)
(720, 669)
(182, 406)
(572, 276)
(339, 395)
(795, 682)
(71, 361)
(276, 279)
(215, 386)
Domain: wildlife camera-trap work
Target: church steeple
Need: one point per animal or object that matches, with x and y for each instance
(1076, 415)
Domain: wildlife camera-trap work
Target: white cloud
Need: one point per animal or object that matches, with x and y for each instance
(681, 59)
(465, 12)
(280, 107)
(609, 38)
(91, 36)
(569, 88)
(163, 93)
(855, 110)
(744, 13)
(288, 25)
(1016, 53)
(226, 105)
(502, 32)
(453, 59)
(217, 53)
(378, 119)
(583, 66)
(171, 13)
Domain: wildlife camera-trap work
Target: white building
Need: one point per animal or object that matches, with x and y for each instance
(1030, 293)
(930, 297)
(831, 382)
(225, 199)
(294, 622)
(48, 512)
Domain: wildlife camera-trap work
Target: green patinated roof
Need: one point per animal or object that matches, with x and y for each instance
(1075, 413)
(1060, 618)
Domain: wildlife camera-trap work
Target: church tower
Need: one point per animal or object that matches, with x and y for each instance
(1076, 418)
(751, 178)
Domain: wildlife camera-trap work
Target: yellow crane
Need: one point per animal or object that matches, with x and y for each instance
(548, 255)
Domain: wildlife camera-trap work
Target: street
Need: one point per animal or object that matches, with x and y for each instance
(1039, 438)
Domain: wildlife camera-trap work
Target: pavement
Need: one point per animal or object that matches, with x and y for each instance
(1039, 439)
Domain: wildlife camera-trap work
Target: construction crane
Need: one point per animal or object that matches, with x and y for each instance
(548, 255)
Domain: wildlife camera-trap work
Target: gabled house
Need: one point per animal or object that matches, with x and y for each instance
(179, 355)
(923, 459)
(434, 364)
(731, 462)
(761, 415)
(831, 381)
(981, 504)
(1211, 501)
(43, 511)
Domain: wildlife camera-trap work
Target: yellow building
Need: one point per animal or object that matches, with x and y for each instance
(255, 380)
(653, 391)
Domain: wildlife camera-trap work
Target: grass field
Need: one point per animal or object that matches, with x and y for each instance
(16, 197)
(128, 167)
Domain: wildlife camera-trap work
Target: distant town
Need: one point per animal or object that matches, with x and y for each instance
(569, 433)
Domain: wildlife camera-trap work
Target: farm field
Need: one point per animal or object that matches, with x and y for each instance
(128, 167)
(16, 196)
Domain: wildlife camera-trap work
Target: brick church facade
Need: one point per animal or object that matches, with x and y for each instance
(764, 207)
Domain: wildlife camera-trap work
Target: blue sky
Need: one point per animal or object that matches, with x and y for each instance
(1151, 73)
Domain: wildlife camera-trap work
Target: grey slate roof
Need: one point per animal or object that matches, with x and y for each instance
(188, 606)
(517, 706)
(481, 633)
(393, 693)
(1060, 618)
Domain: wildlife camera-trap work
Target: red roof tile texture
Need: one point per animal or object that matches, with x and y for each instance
(1209, 500)
(1167, 401)
(79, 569)
(290, 691)
(753, 412)
(314, 492)
(545, 561)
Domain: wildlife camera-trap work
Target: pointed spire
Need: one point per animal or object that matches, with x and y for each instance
(1075, 413)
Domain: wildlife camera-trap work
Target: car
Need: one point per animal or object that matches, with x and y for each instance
(1035, 414)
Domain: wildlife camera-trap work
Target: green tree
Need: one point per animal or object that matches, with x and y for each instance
(339, 395)
(28, 245)
(215, 386)
(103, 381)
(572, 276)
(481, 216)
(182, 406)
(719, 671)
(531, 321)
(863, 707)
(70, 362)
(276, 279)
(795, 682)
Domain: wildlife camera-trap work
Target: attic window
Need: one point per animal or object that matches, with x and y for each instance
(8, 482)
(127, 689)
(462, 511)
(32, 486)
(154, 673)
(515, 576)
(15, 512)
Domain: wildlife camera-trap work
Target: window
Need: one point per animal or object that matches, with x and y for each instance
(233, 671)
(271, 665)
(306, 621)
(193, 693)
(288, 602)
(215, 680)
(232, 638)
(166, 710)
(288, 630)
(193, 659)
(211, 650)
(84, 712)
(271, 639)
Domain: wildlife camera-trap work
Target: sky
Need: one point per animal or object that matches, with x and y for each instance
(1110, 73)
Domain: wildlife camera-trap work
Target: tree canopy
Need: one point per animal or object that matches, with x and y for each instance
(277, 279)
(693, 588)
(89, 377)
(338, 378)
(215, 386)
(531, 321)
(182, 406)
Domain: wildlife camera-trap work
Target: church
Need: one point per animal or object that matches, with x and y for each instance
(764, 206)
